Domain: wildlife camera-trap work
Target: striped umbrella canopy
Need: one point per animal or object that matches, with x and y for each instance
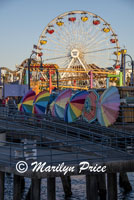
(89, 112)
(75, 106)
(26, 104)
(60, 103)
(40, 102)
(52, 103)
(108, 106)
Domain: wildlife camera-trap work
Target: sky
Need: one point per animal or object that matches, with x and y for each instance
(22, 22)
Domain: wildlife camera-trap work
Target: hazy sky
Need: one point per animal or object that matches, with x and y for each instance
(22, 21)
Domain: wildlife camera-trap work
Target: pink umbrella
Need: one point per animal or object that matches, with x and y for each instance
(108, 106)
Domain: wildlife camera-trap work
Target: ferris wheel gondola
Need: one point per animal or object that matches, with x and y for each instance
(79, 38)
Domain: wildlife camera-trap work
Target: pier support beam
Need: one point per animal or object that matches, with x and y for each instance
(2, 181)
(17, 188)
(66, 182)
(91, 187)
(102, 186)
(51, 191)
(112, 186)
(124, 182)
(35, 189)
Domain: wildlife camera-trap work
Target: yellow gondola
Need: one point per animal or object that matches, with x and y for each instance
(60, 23)
(117, 53)
(84, 19)
(123, 51)
(106, 30)
(43, 42)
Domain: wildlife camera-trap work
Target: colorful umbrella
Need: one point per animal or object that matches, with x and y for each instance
(52, 103)
(52, 109)
(40, 102)
(26, 104)
(108, 106)
(75, 106)
(60, 103)
(89, 112)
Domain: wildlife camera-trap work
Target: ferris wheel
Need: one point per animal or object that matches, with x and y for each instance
(79, 38)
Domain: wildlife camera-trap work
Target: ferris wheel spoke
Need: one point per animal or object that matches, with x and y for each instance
(100, 50)
(61, 57)
(100, 41)
(67, 32)
(102, 56)
(80, 31)
(55, 42)
(90, 29)
(54, 50)
(95, 46)
(65, 35)
(100, 38)
(54, 55)
(93, 39)
(98, 33)
(100, 44)
(64, 41)
(64, 64)
(73, 29)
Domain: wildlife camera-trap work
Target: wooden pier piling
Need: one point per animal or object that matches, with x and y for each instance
(17, 188)
(2, 181)
(124, 182)
(51, 191)
(66, 182)
(112, 186)
(91, 187)
(35, 189)
(102, 186)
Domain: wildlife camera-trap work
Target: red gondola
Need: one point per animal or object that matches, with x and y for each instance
(50, 31)
(40, 54)
(113, 40)
(72, 19)
(96, 22)
(117, 67)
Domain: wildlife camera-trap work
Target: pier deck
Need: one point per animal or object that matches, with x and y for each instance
(57, 142)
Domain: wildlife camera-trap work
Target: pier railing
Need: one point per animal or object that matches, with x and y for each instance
(45, 138)
(72, 152)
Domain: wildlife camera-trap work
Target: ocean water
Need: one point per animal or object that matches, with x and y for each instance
(78, 189)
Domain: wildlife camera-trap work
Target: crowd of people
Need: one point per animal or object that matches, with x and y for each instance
(10, 102)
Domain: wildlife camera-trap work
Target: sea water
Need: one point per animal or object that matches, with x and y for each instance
(78, 188)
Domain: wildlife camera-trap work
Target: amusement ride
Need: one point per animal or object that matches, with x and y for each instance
(77, 50)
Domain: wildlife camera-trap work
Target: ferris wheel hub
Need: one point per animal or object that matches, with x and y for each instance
(75, 53)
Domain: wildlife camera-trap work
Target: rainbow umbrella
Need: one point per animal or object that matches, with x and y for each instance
(108, 106)
(75, 106)
(52, 103)
(60, 103)
(40, 102)
(52, 109)
(26, 104)
(89, 112)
